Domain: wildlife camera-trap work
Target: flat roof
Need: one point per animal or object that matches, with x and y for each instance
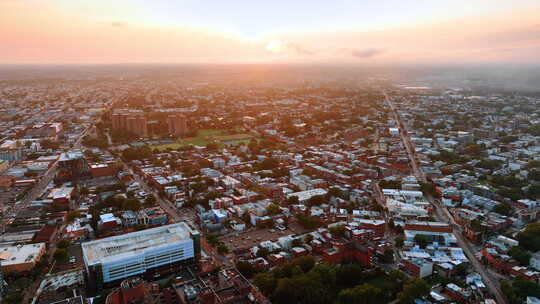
(20, 254)
(129, 244)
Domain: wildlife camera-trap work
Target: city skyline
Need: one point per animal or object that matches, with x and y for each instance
(386, 32)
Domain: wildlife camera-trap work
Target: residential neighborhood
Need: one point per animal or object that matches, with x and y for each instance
(137, 190)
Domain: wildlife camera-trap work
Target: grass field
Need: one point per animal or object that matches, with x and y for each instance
(207, 136)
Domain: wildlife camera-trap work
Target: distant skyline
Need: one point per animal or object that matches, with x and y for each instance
(191, 31)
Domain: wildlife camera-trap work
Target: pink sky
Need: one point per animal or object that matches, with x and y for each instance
(99, 32)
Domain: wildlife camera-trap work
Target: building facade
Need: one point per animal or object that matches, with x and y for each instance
(149, 253)
(132, 121)
(177, 124)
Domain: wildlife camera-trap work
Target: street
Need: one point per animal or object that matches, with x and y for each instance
(442, 212)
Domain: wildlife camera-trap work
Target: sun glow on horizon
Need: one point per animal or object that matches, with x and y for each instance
(101, 31)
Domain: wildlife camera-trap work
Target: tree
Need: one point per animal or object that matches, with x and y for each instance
(137, 153)
(388, 256)
(63, 244)
(421, 240)
(490, 164)
(534, 175)
(520, 255)
(399, 242)
(308, 238)
(529, 238)
(266, 282)
(223, 249)
(308, 222)
(293, 200)
(246, 269)
(263, 252)
(317, 200)
(132, 204)
(337, 231)
(503, 209)
(84, 190)
(212, 239)
(348, 276)
(361, 294)
(517, 291)
(462, 269)
(306, 263)
(246, 217)
(298, 242)
(49, 144)
(273, 209)
(413, 289)
(73, 215)
(61, 255)
(150, 201)
(534, 191)
(429, 189)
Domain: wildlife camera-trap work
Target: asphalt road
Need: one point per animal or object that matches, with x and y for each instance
(443, 213)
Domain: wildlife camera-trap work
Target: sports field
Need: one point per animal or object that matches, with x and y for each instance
(207, 136)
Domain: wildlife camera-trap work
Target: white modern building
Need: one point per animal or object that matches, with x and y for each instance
(112, 259)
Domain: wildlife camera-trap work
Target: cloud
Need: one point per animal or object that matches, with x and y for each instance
(365, 53)
(279, 47)
(118, 24)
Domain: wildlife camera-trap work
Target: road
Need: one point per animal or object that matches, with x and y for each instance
(442, 212)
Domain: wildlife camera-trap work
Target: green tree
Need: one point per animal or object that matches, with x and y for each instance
(132, 204)
(73, 215)
(388, 256)
(308, 238)
(317, 200)
(246, 269)
(263, 252)
(223, 249)
(529, 238)
(266, 283)
(361, 294)
(273, 209)
(337, 231)
(503, 209)
(520, 255)
(61, 255)
(150, 201)
(421, 240)
(517, 291)
(413, 289)
(63, 244)
(212, 239)
(399, 242)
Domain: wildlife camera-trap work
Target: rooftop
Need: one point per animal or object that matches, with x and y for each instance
(122, 246)
(20, 254)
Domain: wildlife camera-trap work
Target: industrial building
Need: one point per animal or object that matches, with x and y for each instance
(150, 253)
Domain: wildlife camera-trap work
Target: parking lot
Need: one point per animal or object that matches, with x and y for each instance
(253, 238)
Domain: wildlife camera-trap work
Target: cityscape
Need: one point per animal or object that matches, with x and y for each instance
(275, 171)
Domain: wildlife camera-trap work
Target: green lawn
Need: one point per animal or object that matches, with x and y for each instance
(204, 137)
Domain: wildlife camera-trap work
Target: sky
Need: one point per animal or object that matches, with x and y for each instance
(277, 31)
